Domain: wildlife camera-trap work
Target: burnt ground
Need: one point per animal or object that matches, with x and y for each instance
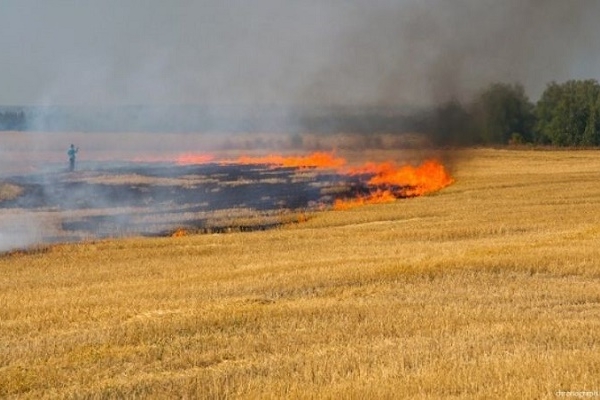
(159, 199)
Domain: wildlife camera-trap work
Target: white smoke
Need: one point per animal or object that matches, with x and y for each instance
(19, 230)
(271, 52)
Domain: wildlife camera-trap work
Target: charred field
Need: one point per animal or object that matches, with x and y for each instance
(194, 193)
(161, 199)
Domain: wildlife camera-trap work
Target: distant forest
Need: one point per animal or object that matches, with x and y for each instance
(567, 114)
(13, 120)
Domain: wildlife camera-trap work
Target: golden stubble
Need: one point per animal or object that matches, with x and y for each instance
(487, 289)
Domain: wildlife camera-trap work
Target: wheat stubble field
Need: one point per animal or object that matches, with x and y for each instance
(489, 288)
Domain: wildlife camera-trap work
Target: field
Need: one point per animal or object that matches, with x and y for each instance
(489, 288)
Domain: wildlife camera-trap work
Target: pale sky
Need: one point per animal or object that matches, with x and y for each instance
(287, 52)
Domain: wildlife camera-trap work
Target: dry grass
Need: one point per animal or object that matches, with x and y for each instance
(9, 191)
(488, 289)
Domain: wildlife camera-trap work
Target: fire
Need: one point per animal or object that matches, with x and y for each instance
(194, 158)
(377, 197)
(429, 177)
(389, 182)
(384, 182)
(313, 160)
(179, 233)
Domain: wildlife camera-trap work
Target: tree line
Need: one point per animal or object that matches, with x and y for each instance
(567, 114)
(12, 121)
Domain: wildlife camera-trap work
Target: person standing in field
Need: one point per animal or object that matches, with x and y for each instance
(71, 153)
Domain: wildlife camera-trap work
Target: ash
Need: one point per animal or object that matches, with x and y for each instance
(132, 199)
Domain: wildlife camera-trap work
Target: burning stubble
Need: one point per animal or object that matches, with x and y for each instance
(349, 54)
(201, 193)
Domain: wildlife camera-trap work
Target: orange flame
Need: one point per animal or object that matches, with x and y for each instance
(390, 182)
(377, 197)
(313, 160)
(429, 177)
(193, 158)
(179, 233)
(387, 181)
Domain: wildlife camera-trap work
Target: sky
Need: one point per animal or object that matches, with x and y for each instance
(288, 52)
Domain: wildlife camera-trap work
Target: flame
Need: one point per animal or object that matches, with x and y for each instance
(194, 158)
(377, 197)
(386, 181)
(389, 182)
(429, 177)
(179, 233)
(313, 160)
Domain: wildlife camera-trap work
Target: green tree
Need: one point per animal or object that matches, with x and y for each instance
(568, 114)
(501, 113)
(12, 120)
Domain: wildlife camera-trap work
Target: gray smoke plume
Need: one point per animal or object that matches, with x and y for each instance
(288, 53)
(428, 52)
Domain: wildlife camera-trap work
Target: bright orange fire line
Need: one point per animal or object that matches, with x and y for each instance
(377, 197)
(194, 158)
(313, 160)
(391, 181)
(429, 177)
(387, 180)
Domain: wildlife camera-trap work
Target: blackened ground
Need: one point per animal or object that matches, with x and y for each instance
(158, 199)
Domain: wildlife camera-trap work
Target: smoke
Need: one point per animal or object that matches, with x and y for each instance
(19, 230)
(212, 66)
(267, 52)
(430, 52)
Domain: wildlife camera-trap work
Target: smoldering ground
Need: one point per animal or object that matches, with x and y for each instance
(143, 199)
(300, 58)
(158, 199)
(248, 193)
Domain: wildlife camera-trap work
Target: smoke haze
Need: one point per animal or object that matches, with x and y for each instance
(238, 66)
(268, 52)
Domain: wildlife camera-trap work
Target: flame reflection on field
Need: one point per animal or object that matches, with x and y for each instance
(386, 181)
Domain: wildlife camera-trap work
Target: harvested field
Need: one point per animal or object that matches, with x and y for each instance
(485, 289)
(157, 199)
(195, 195)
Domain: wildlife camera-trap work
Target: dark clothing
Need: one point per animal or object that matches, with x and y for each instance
(71, 153)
